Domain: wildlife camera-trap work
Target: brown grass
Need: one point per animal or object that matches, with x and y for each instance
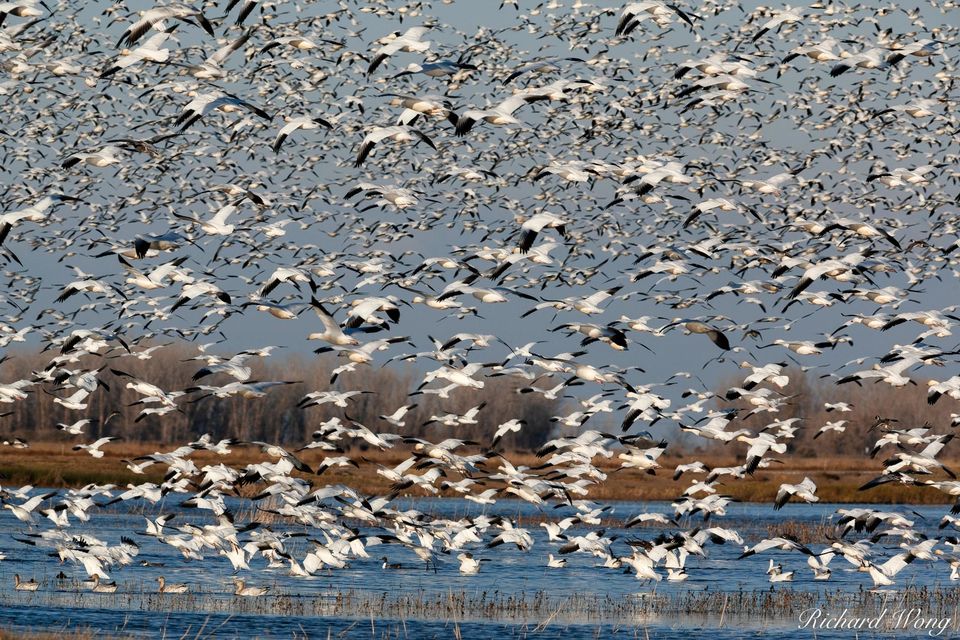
(54, 464)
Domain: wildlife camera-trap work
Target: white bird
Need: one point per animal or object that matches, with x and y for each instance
(468, 564)
(869, 59)
(75, 429)
(820, 564)
(804, 490)
(24, 511)
(94, 448)
(777, 574)
(150, 50)
(395, 419)
(207, 103)
(157, 15)
(303, 122)
(397, 133)
(410, 40)
(332, 332)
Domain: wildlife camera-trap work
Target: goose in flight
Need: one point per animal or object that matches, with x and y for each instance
(336, 398)
(300, 43)
(660, 12)
(145, 244)
(250, 389)
(919, 462)
(537, 223)
(902, 176)
(860, 228)
(804, 490)
(206, 103)
(410, 40)
(837, 426)
(456, 420)
(869, 59)
(919, 108)
(437, 68)
(94, 448)
(500, 114)
(212, 67)
(156, 278)
(102, 157)
(363, 311)
(245, 10)
(514, 425)
(75, 429)
(589, 305)
(24, 512)
(819, 563)
(332, 332)
(293, 275)
(716, 336)
(303, 122)
(200, 288)
(716, 64)
(21, 9)
(234, 367)
(86, 284)
(780, 17)
(921, 49)
(416, 105)
(151, 17)
(36, 212)
(819, 52)
(671, 172)
(721, 204)
(883, 574)
(277, 451)
(150, 50)
(540, 65)
(395, 419)
(397, 133)
(845, 269)
(783, 543)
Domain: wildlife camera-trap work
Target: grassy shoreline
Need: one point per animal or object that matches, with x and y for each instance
(55, 465)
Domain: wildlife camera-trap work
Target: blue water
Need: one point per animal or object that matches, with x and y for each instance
(292, 607)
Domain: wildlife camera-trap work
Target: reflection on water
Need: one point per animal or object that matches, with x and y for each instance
(514, 595)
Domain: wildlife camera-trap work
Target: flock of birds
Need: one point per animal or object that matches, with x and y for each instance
(360, 174)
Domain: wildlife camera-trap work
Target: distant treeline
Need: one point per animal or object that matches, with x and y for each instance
(275, 417)
(906, 405)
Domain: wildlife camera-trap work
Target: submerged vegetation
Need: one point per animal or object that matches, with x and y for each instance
(733, 607)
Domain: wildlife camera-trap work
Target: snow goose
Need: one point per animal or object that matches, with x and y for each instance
(397, 133)
(151, 17)
(410, 40)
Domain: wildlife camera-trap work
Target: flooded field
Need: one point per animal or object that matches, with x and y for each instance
(519, 596)
(537, 255)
